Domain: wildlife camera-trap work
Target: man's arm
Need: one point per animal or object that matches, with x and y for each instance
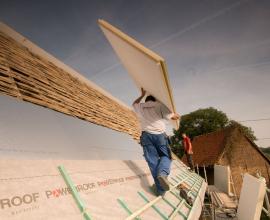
(189, 147)
(184, 145)
(175, 116)
(143, 92)
(167, 114)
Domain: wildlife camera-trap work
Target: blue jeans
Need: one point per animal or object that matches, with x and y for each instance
(157, 155)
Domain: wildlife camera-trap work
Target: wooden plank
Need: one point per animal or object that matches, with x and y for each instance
(75, 193)
(151, 203)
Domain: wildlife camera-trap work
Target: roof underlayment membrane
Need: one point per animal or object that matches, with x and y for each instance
(34, 189)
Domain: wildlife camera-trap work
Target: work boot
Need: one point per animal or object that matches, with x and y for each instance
(163, 180)
(161, 194)
(154, 190)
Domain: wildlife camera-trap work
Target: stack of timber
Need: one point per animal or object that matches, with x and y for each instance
(33, 78)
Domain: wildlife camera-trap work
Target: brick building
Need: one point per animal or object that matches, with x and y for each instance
(232, 148)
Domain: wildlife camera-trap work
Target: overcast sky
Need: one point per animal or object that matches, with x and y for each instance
(217, 52)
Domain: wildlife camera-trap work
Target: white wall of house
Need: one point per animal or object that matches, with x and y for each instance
(222, 178)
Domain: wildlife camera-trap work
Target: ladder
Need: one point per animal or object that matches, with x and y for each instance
(205, 211)
(191, 179)
(266, 209)
(231, 182)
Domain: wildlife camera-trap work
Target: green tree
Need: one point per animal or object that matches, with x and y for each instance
(203, 121)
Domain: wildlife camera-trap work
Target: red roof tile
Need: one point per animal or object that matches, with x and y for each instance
(207, 148)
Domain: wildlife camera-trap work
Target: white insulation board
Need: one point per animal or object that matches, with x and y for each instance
(147, 69)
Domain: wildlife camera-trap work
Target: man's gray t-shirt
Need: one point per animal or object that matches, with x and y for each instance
(152, 116)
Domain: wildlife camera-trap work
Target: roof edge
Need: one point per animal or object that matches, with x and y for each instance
(257, 148)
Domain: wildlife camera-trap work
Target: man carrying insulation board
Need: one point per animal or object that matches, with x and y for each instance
(153, 139)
